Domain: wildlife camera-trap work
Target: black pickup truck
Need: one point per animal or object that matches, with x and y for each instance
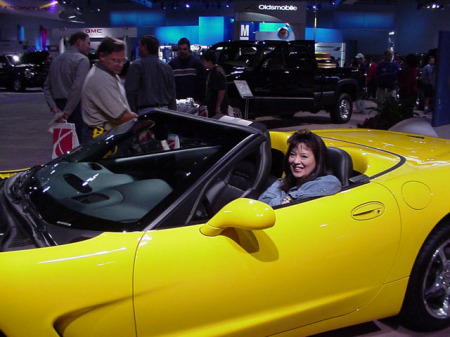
(284, 78)
(17, 75)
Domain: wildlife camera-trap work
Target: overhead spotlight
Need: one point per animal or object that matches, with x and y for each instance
(336, 3)
(313, 7)
(430, 5)
(187, 5)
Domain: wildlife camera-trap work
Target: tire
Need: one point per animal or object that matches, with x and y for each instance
(238, 107)
(341, 112)
(17, 85)
(426, 304)
(236, 112)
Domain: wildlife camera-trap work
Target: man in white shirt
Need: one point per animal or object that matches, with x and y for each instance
(104, 103)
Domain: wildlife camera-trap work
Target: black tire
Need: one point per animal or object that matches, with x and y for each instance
(17, 85)
(342, 111)
(426, 305)
(238, 105)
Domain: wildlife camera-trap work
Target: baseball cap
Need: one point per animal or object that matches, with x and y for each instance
(359, 56)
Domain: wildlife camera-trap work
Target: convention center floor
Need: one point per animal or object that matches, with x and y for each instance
(25, 141)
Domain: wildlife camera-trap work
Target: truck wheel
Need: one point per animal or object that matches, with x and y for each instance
(17, 85)
(342, 110)
(238, 106)
(425, 307)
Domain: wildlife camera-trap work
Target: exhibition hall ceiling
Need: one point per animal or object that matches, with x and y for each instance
(64, 9)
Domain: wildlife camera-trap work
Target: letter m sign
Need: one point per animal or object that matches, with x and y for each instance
(245, 32)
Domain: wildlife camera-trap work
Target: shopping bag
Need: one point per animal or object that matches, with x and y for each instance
(64, 138)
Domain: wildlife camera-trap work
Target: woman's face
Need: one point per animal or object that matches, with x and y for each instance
(301, 161)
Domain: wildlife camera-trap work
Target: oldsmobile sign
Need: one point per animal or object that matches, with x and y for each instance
(277, 7)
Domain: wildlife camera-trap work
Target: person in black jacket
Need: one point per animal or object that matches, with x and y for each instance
(216, 99)
(189, 72)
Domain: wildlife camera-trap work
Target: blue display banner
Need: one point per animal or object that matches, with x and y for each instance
(211, 29)
(137, 18)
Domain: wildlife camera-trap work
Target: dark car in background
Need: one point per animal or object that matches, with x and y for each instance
(16, 75)
(41, 60)
(285, 77)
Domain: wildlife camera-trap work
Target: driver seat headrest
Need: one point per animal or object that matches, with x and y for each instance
(340, 164)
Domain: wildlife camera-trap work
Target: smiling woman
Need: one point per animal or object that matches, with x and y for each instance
(305, 172)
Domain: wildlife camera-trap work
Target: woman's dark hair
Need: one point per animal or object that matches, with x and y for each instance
(110, 45)
(411, 60)
(318, 148)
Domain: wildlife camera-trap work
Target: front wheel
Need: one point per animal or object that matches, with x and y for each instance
(341, 112)
(17, 85)
(427, 301)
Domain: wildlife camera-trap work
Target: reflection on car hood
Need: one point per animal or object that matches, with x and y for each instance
(405, 144)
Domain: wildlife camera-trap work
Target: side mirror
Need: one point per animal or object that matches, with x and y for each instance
(240, 213)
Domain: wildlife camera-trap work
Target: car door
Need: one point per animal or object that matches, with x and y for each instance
(285, 79)
(323, 258)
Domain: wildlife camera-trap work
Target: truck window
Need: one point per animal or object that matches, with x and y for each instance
(298, 57)
(275, 60)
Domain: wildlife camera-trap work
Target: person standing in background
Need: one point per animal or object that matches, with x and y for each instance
(387, 76)
(407, 78)
(104, 103)
(362, 67)
(372, 79)
(216, 99)
(189, 72)
(64, 82)
(150, 82)
(407, 83)
(428, 82)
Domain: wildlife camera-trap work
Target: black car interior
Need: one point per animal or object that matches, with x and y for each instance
(139, 180)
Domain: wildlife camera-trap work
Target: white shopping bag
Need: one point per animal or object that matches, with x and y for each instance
(64, 138)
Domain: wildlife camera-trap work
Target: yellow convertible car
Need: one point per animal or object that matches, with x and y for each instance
(154, 229)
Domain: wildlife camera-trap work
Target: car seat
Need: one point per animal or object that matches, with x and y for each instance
(246, 178)
(340, 164)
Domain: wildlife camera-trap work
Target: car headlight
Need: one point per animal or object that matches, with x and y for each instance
(28, 73)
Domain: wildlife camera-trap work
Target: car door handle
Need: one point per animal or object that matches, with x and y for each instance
(367, 211)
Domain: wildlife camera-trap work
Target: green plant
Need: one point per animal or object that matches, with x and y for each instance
(390, 111)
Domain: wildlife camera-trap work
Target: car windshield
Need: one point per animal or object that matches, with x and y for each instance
(123, 179)
(14, 59)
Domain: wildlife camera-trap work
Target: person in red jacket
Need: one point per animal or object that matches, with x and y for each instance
(407, 83)
(372, 79)
(407, 78)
